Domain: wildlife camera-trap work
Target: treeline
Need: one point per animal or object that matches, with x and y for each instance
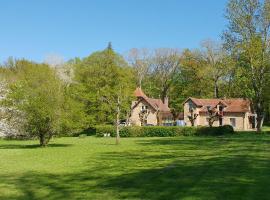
(98, 89)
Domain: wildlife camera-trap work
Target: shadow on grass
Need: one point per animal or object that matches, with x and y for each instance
(30, 146)
(218, 178)
(242, 172)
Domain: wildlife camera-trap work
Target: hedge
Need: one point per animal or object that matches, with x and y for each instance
(161, 131)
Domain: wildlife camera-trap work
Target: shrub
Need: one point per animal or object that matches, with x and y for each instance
(146, 131)
(227, 129)
(162, 131)
(105, 129)
(220, 130)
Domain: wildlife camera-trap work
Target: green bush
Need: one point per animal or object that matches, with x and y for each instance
(146, 131)
(227, 129)
(220, 130)
(162, 131)
(105, 129)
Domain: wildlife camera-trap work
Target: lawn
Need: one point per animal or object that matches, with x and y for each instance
(229, 167)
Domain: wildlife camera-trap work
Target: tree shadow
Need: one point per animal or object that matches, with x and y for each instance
(30, 146)
(202, 168)
(217, 178)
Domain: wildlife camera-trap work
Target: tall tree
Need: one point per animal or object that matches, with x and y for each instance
(189, 79)
(37, 94)
(217, 65)
(105, 84)
(163, 66)
(248, 39)
(140, 60)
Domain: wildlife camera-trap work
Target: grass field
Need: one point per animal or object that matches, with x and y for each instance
(229, 167)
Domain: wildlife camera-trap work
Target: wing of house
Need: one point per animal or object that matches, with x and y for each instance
(155, 111)
(235, 112)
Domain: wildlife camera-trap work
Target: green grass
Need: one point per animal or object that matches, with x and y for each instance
(230, 167)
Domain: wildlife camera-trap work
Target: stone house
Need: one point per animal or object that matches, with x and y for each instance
(234, 112)
(149, 111)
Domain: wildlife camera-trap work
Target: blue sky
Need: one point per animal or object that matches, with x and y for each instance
(34, 29)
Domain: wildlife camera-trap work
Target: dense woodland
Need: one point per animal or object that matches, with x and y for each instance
(73, 96)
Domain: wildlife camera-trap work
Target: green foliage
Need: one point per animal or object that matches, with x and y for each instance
(247, 40)
(37, 94)
(156, 131)
(99, 80)
(74, 120)
(215, 131)
(146, 131)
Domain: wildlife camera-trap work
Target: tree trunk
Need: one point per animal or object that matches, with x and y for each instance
(42, 140)
(259, 122)
(216, 90)
(117, 121)
(260, 115)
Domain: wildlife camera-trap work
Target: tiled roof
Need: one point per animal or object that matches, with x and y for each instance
(139, 93)
(231, 105)
(157, 104)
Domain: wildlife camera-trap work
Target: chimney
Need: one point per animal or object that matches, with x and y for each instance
(166, 101)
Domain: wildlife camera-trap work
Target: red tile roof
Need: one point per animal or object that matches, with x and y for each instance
(139, 93)
(231, 105)
(157, 104)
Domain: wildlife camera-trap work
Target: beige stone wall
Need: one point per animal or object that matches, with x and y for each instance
(241, 119)
(241, 122)
(202, 120)
(134, 118)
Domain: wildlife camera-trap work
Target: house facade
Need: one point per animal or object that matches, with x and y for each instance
(234, 112)
(148, 111)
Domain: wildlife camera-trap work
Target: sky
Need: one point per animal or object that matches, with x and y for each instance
(36, 29)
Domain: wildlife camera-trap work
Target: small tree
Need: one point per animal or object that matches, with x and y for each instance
(143, 114)
(37, 94)
(192, 117)
(212, 115)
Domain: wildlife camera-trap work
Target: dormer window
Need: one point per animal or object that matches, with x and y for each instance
(220, 108)
(144, 108)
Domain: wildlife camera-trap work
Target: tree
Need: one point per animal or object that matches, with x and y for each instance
(140, 61)
(192, 117)
(105, 84)
(213, 115)
(217, 65)
(36, 93)
(189, 80)
(247, 38)
(164, 64)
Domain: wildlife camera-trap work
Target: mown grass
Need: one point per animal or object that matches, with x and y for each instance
(228, 167)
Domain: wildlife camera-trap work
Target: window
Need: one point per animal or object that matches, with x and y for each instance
(233, 122)
(144, 107)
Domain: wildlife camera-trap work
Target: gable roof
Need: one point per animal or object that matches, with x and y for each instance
(139, 93)
(156, 104)
(231, 105)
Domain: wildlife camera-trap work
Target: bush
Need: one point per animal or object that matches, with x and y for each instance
(145, 131)
(220, 130)
(227, 129)
(105, 129)
(162, 131)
